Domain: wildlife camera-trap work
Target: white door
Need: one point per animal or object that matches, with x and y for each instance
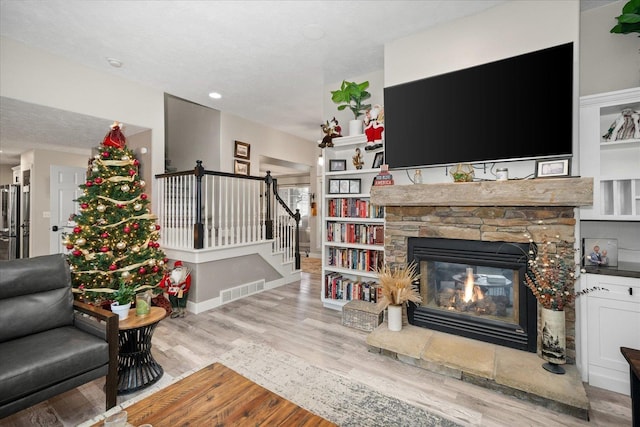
(63, 190)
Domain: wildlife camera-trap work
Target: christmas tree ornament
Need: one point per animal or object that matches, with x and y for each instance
(81, 241)
(142, 270)
(136, 162)
(136, 248)
(143, 196)
(132, 172)
(105, 154)
(137, 207)
(104, 249)
(95, 169)
(135, 225)
(142, 183)
(84, 205)
(98, 180)
(113, 267)
(69, 246)
(125, 274)
(101, 208)
(121, 245)
(88, 183)
(76, 253)
(125, 188)
(104, 235)
(127, 229)
(152, 227)
(157, 226)
(125, 158)
(77, 230)
(115, 138)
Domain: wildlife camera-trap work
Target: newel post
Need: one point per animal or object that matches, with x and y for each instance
(198, 227)
(297, 237)
(268, 221)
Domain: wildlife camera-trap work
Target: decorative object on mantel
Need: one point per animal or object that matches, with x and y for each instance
(553, 168)
(397, 288)
(383, 177)
(374, 127)
(629, 21)
(551, 275)
(351, 95)
(462, 173)
(625, 126)
(330, 130)
(357, 159)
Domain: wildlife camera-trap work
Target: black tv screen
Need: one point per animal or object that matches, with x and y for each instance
(513, 109)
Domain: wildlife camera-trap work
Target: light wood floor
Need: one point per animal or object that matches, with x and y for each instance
(291, 319)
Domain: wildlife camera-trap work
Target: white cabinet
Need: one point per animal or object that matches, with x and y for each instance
(353, 228)
(613, 321)
(613, 163)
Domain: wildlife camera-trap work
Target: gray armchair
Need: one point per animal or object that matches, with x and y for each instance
(50, 343)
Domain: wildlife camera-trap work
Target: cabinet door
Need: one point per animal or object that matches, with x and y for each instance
(613, 322)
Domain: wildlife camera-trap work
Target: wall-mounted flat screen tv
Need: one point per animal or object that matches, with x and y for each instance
(513, 109)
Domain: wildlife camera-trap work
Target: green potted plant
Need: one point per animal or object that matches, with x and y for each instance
(351, 95)
(122, 298)
(629, 21)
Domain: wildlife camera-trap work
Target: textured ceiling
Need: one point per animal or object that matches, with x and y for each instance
(263, 56)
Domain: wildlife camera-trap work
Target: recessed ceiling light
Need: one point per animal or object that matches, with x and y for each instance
(215, 95)
(114, 62)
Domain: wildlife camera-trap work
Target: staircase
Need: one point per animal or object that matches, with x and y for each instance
(233, 231)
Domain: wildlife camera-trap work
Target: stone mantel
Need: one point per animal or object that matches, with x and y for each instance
(527, 192)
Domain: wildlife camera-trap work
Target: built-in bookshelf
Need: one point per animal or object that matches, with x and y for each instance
(612, 160)
(353, 241)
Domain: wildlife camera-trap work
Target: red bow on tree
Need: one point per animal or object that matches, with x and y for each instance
(114, 138)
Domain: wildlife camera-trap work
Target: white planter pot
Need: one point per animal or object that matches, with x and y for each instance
(394, 318)
(121, 310)
(355, 127)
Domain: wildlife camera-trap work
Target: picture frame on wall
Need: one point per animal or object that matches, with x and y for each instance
(599, 252)
(337, 165)
(242, 150)
(240, 167)
(553, 168)
(378, 160)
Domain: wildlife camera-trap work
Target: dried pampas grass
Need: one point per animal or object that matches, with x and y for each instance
(396, 285)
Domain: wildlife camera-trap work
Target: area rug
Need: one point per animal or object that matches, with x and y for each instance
(338, 399)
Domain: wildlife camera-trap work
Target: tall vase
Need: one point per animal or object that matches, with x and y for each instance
(394, 318)
(554, 348)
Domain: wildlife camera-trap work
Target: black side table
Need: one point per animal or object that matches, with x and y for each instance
(137, 368)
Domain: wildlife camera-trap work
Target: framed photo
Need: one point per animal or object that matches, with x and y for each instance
(601, 252)
(242, 150)
(551, 168)
(334, 186)
(354, 186)
(344, 186)
(241, 167)
(337, 165)
(378, 160)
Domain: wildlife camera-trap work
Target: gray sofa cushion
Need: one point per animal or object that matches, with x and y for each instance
(34, 362)
(35, 295)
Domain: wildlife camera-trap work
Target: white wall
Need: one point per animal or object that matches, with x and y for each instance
(6, 174)
(193, 133)
(608, 61)
(510, 29)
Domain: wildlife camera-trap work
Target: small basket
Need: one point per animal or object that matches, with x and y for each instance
(362, 315)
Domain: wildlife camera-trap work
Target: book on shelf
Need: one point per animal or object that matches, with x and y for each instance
(338, 287)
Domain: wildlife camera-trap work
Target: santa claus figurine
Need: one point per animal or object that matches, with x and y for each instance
(177, 283)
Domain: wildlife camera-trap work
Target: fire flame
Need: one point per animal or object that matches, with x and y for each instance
(468, 286)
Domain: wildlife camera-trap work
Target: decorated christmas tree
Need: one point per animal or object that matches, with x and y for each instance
(115, 239)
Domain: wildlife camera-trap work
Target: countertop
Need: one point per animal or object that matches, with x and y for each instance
(624, 269)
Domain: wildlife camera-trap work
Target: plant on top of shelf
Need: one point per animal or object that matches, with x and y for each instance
(351, 95)
(629, 21)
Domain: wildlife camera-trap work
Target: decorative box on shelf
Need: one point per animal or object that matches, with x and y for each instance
(362, 315)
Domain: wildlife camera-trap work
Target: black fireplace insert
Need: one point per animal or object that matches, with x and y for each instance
(474, 289)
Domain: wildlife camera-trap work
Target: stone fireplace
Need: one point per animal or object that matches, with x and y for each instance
(505, 212)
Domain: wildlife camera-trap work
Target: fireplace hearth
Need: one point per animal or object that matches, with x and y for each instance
(474, 289)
